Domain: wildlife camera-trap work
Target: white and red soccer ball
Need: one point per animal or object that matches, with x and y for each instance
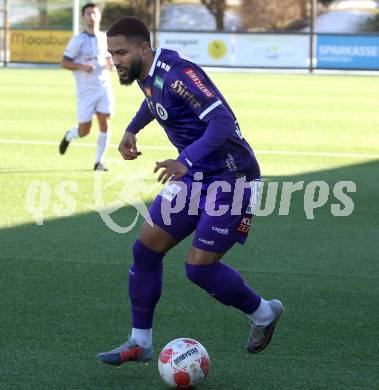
(183, 363)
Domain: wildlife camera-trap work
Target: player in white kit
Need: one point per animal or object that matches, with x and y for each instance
(87, 56)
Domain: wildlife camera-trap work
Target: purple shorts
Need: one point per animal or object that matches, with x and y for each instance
(219, 212)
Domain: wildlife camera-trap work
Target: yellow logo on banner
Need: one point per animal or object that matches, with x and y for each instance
(217, 49)
(44, 46)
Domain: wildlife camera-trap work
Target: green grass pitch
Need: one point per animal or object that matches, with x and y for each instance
(63, 284)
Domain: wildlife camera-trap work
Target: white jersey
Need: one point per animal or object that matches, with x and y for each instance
(85, 48)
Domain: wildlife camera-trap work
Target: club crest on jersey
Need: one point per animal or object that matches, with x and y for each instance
(193, 76)
(158, 82)
(178, 87)
(161, 111)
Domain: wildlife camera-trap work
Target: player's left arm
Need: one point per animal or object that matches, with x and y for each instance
(170, 170)
(128, 144)
(142, 118)
(192, 87)
(220, 127)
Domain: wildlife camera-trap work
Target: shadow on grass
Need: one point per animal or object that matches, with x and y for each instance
(64, 298)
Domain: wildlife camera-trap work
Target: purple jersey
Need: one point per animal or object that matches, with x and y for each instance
(196, 117)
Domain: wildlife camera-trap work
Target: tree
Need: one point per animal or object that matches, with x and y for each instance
(217, 9)
(371, 25)
(115, 9)
(42, 12)
(143, 9)
(272, 14)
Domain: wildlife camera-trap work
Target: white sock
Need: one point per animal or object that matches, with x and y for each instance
(263, 315)
(73, 133)
(102, 143)
(143, 337)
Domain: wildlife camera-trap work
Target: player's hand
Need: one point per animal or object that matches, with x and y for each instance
(108, 64)
(87, 68)
(128, 146)
(172, 169)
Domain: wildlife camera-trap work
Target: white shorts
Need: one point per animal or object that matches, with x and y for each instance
(90, 102)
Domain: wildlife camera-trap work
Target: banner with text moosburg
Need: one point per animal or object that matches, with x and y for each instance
(39, 46)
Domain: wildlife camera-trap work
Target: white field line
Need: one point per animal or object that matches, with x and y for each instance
(171, 148)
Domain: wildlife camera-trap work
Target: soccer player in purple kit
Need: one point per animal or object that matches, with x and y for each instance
(201, 125)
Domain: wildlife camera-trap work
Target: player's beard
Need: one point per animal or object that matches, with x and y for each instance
(134, 71)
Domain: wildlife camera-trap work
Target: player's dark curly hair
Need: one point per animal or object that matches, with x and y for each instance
(130, 27)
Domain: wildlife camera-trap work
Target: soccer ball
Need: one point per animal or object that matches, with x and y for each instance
(183, 363)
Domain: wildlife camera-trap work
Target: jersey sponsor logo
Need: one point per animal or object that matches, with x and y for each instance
(158, 82)
(206, 242)
(231, 163)
(169, 191)
(244, 226)
(193, 76)
(179, 88)
(219, 230)
(161, 111)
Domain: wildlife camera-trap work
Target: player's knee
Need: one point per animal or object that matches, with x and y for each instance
(103, 126)
(145, 259)
(84, 129)
(198, 256)
(156, 238)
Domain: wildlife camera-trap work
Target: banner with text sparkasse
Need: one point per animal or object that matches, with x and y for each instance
(347, 52)
(39, 46)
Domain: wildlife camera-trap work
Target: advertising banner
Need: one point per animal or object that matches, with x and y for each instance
(202, 48)
(245, 50)
(347, 52)
(271, 50)
(40, 46)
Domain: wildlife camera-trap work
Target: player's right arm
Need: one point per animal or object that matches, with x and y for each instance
(71, 52)
(69, 64)
(128, 144)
